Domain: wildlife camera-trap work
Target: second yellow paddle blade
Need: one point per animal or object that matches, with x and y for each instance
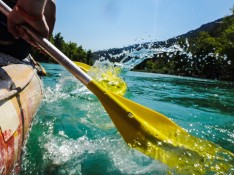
(83, 66)
(108, 78)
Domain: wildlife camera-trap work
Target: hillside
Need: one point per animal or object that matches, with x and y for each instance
(193, 33)
(207, 52)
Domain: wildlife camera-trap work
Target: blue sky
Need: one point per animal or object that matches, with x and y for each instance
(104, 24)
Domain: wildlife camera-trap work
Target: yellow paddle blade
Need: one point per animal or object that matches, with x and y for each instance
(160, 138)
(107, 79)
(83, 66)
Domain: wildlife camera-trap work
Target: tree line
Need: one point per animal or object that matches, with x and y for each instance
(70, 49)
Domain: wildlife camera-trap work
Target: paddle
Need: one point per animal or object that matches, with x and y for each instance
(149, 131)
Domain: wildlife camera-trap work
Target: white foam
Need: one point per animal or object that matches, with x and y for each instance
(126, 160)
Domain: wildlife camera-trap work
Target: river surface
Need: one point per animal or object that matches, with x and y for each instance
(72, 133)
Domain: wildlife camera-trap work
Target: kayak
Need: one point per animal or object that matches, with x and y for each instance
(20, 98)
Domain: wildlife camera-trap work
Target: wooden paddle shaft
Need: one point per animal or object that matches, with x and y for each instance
(52, 50)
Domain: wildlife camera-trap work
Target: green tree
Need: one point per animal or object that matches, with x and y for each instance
(70, 49)
(89, 57)
(58, 41)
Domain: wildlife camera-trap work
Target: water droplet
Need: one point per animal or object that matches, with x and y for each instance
(130, 115)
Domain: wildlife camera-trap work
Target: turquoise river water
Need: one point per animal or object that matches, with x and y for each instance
(72, 134)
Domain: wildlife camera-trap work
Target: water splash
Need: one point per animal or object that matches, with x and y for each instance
(105, 155)
(172, 58)
(128, 59)
(108, 76)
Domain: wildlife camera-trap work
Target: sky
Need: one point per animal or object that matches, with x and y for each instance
(104, 24)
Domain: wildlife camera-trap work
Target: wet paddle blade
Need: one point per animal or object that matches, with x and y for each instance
(137, 120)
(107, 78)
(160, 138)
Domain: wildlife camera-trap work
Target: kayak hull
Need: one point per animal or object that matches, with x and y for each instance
(20, 97)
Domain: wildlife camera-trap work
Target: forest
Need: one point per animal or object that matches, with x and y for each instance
(208, 54)
(70, 49)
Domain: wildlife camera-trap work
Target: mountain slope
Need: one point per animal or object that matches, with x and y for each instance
(206, 52)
